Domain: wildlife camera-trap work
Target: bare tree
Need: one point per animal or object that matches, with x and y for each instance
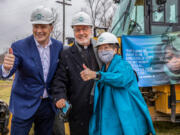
(101, 11)
(2, 57)
(57, 30)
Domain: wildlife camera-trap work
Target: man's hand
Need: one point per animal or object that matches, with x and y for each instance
(61, 103)
(9, 60)
(87, 74)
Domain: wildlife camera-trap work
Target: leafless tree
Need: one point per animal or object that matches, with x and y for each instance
(57, 30)
(2, 57)
(101, 11)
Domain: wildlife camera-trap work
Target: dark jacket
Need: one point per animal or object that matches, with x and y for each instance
(68, 84)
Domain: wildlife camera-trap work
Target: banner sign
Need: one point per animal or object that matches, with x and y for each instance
(155, 58)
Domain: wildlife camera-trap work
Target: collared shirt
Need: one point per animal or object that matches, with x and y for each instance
(88, 55)
(44, 53)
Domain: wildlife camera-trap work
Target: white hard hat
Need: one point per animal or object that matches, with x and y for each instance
(107, 38)
(81, 18)
(43, 15)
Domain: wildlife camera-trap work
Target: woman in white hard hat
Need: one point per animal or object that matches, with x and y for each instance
(119, 108)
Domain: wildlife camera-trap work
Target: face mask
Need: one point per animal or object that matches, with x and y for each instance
(106, 55)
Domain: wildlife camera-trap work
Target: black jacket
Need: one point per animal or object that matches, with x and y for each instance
(68, 84)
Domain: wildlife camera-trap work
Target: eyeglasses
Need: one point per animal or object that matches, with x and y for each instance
(105, 47)
(85, 29)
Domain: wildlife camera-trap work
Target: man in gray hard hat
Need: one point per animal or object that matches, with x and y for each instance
(67, 83)
(34, 61)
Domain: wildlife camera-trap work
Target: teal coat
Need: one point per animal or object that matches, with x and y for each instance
(119, 108)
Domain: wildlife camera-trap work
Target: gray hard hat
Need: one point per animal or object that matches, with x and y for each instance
(107, 38)
(43, 15)
(81, 18)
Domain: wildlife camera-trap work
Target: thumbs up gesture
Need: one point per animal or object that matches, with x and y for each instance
(84, 66)
(9, 60)
(87, 74)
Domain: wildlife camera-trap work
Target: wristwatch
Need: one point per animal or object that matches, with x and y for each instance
(98, 76)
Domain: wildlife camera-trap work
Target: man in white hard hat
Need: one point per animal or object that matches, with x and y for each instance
(67, 83)
(34, 61)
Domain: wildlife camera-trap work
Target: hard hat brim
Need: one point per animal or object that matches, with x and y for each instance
(97, 45)
(41, 22)
(81, 24)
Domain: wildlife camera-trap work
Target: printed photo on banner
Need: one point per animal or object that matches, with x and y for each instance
(155, 58)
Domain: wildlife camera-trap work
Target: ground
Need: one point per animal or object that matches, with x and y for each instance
(162, 128)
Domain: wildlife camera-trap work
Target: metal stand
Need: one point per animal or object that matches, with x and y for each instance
(173, 103)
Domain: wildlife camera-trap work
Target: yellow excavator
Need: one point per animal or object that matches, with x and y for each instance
(152, 18)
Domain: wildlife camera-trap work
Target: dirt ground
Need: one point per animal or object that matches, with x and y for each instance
(167, 128)
(162, 128)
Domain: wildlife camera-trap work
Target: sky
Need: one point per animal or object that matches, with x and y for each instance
(15, 18)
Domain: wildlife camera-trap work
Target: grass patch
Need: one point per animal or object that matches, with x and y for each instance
(5, 90)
